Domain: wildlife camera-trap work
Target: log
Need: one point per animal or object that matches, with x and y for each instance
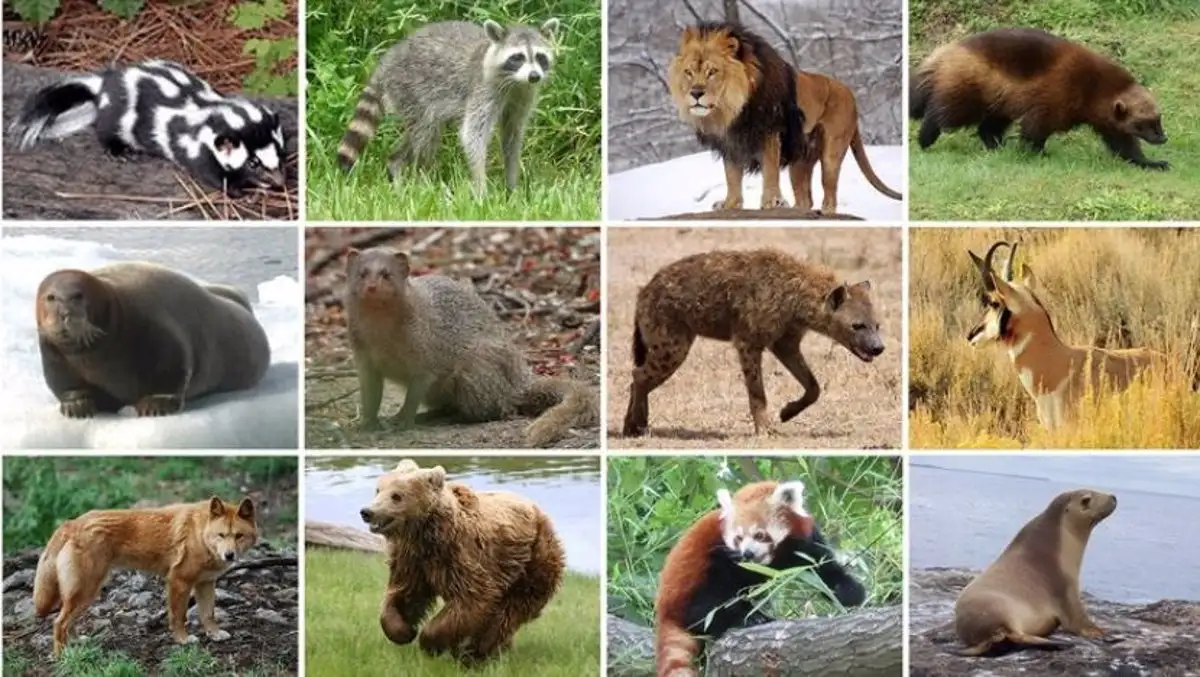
(329, 535)
(72, 179)
(865, 643)
(775, 214)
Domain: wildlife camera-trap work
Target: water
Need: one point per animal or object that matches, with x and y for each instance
(568, 489)
(965, 509)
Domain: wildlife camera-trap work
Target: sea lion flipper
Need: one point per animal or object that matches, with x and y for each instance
(1040, 642)
(977, 650)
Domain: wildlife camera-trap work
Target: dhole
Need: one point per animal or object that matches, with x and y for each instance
(188, 544)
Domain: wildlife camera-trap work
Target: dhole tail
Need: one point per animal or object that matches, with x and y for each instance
(362, 129)
(46, 595)
(864, 163)
(674, 650)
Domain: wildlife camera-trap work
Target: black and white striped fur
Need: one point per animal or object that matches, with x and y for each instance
(160, 108)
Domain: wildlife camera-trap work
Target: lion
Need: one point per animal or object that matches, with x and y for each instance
(758, 113)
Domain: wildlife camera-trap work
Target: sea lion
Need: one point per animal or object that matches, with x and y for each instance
(140, 334)
(1032, 589)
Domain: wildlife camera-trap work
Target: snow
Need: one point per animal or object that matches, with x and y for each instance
(694, 182)
(261, 418)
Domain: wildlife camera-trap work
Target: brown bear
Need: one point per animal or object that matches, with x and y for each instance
(491, 556)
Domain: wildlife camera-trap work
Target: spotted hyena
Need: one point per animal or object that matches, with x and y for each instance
(759, 300)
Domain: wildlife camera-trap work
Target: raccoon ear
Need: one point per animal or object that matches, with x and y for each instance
(550, 27)
(836, 298)
(216, 507)
(495, 31)
(1120, 110)
(246, 509)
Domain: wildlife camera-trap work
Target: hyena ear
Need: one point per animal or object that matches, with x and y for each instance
(550, 27)
(836, 298)
(495, 31)
(216, 507)
(437, 477)
(725, 501)
(403, 263)
(246, 509)
(1120, 110)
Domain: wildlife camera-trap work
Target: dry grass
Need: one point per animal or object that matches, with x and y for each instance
(705, 403)
(1114, 287)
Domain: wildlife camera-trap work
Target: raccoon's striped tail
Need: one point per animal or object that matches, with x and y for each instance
(59, 110)
(362, 128)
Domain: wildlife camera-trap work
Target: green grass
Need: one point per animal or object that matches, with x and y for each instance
(343, 591)
(88, 659)
(956, 179)
(653, 500)
(42, 492)
(15, 663)
(561, 174)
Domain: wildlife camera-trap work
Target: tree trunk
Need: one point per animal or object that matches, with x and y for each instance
(731, 11)
(329, 535)
(73, 179)
(866, 643)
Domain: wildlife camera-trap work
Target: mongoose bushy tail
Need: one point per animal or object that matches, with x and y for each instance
(436, 337)
(363, 127)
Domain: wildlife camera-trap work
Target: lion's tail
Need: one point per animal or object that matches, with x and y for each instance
(860, 155)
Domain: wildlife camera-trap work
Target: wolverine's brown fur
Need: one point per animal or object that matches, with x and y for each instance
(441, 341)
(491, 556)
(831, 125)
(740, 96)
(1050, 84)
(759, 300)
(1032, 589)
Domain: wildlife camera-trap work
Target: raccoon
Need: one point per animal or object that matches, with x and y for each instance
(160, 108)
(478, 75)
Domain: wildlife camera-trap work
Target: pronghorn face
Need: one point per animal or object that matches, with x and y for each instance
(1003, 299)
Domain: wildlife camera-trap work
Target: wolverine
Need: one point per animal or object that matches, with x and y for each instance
(1050, 84)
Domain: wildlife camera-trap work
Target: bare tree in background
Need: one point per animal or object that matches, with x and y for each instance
(859, 42)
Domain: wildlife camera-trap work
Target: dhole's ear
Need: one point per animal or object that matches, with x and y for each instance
(836, 298)
(437, 477)
(495, 31)
(407, 465)
(1120, 111)
(216, 507)
(725, 501)
(246, 509)
(550, 27)
(403, 263)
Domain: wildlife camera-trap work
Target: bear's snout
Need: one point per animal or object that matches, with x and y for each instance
(367, 514)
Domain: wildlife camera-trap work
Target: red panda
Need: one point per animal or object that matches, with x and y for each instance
(764, 523)
(1052, 85)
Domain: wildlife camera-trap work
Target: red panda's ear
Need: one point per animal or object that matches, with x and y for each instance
(725, 501)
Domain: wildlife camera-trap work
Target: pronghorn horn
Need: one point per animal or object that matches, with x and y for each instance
(986, 268)
(1012, 256)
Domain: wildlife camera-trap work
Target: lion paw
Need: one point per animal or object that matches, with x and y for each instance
(773, 201)
(727, 204)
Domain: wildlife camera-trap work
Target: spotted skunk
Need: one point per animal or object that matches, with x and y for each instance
(159, 108)
(701, 584)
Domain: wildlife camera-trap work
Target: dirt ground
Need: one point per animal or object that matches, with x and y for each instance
(544, 282)
(704, 404)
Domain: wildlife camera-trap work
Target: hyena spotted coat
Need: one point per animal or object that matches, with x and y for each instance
(759, 300)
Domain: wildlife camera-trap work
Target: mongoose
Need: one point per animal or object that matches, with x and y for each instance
(759, 300)
(1050, 84)
(436, 337)
(480, 75)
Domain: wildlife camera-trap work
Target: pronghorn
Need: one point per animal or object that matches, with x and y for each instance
(1055, 375)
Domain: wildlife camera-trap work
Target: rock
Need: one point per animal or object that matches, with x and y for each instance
(1160, 639)
(271, 616)
(20, 580)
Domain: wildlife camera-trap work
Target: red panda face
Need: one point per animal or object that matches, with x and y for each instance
(756, 519)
